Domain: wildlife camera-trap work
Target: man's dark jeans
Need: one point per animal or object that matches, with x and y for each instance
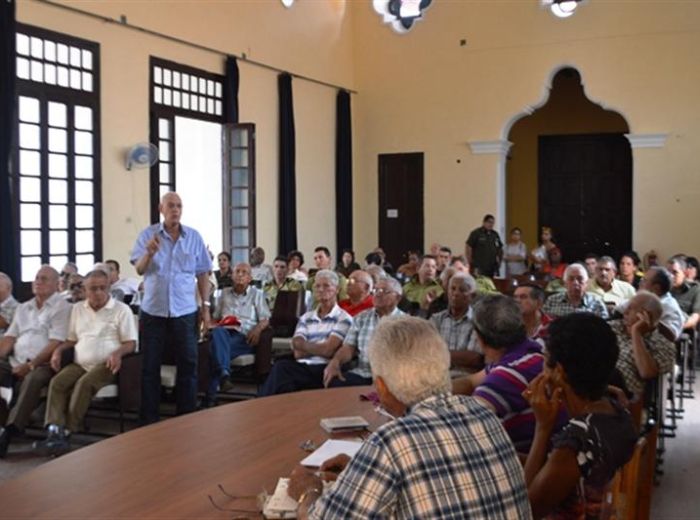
(179, 336)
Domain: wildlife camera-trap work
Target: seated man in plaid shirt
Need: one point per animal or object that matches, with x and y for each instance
(443, 456)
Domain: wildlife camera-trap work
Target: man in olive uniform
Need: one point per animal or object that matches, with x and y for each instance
(484, 248)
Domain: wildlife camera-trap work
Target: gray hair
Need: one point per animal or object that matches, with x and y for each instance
(576, 267)
(465, 280)
(447, 273)
(411, 358)
(393, 284)
(97, 272)
(376, 272)
(101, 266)
(328, 275)
(498, 321)
(7, 280)
(608, 260)
(650, 303)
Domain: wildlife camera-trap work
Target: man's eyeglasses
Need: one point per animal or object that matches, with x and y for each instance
(380, 291)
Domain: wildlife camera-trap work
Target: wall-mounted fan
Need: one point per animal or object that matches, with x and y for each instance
(142, 155)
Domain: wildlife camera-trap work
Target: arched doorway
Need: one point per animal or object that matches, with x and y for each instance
(570, 168)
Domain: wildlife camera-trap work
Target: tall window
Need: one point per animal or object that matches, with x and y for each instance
(187, 125)
(58, 155)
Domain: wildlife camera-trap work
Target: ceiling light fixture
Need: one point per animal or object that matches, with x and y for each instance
(401, 14)
(561, 8)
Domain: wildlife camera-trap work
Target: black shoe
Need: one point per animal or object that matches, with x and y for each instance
(57, 443)
(226, 385)
(4, 442)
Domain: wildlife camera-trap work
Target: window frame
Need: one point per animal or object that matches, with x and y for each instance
(71, 97)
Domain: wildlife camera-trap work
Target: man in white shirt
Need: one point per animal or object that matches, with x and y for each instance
(121, 288)
(37, 329)
(604, 285)
(8, 304)
(101, 330)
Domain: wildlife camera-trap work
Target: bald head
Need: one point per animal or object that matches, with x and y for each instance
(45, 282)
(644, 301)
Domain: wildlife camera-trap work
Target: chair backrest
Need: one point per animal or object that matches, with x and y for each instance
(629, 483)
(289, 305)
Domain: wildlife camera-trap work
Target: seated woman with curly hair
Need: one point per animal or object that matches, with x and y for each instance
(600, 437)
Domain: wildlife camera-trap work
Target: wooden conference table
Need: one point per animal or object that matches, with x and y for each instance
(168, 469)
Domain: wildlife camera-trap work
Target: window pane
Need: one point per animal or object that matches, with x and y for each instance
(87, 59)
(210, 87)
(239, 136)
(29, 163)
(185, 101)
(163, 190)
(49, 50)
(240, 198)
(63, 76)
(202, 104)
(87, 82)
(29, 215)
(164, 150)
(62, 53)
(83, 142)
(167, 77)
(157, 75)
(31, 242)
(58, 140)
(157, 95)
(240, 237)
(193, 102)
(58, 261)
(30, 266)
(57, 114)
(83, 192)
(37, 47)
(218, 89)
(218, 108)
(75, 79)
(210, 106)
(83, 118)
(22, 44)
(176, 98)
(29, 189)
(37, 71)
(164, 129)
(84, 216)
(239, 157)
(240, 177)
(23, 68)
(185, 81)
(83, 167)
(58, 242)
(84, 262)
(29, 136)
(240, 255)
(58, 166)
(50, 73)
(58, 191)
(167, 96)
(164, 173)
(75, 57)
(28, 109)
(84, 241)
(239, 217)
(202, 86)
(176, 79)
(58, 216)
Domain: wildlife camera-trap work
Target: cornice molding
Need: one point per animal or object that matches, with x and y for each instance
(647, 140)
(497, 147)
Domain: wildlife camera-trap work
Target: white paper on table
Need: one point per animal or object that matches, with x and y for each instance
(331, 448)
(280, 504)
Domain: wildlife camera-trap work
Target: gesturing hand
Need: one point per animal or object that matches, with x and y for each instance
(545, 400)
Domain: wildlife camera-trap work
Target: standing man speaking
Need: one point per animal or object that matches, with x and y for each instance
(170, 256)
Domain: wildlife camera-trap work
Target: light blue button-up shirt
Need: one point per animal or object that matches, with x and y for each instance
(170, 278)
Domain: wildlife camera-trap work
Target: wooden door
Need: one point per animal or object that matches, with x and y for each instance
(585, 193)
(400, 204)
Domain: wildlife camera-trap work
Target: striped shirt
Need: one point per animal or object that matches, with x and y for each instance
(448, 457)
(314, 329)
(363, 326)
(505, 382)
(457, 333)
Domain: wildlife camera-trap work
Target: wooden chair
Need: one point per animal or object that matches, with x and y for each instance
(289, 305)
(252, 368)
(627, 498)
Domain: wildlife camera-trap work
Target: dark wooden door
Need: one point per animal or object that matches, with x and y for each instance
(585, 193)
(400, 204)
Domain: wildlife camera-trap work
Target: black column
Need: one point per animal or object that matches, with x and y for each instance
(287, 170)
(343, 173)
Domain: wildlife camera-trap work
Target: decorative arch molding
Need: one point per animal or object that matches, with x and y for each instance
(647, 140)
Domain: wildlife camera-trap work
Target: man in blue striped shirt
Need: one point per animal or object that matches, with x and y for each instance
(318, 335)
(171, 257)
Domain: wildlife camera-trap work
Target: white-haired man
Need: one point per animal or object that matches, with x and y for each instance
(8, 304)
(574, 298)
(455, 324)
(444, 455)
(102, 330)
(387, 295)
(644, 352)
(319, 333)
(37, 329)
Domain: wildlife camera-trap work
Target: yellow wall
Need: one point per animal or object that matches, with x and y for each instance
(312, 38)
(567, 111)
(423, 91)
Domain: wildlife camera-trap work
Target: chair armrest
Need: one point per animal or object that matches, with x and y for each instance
(263, 354)
(129, 381)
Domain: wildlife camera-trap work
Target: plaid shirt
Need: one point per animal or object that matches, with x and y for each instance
(457, 333)
(448, 457)
(363, 326)
(558, 305)
(662, 351)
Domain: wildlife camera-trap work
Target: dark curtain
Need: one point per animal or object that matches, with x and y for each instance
(231, 83)
(9, 263)
(343, 173)
(287, 170)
